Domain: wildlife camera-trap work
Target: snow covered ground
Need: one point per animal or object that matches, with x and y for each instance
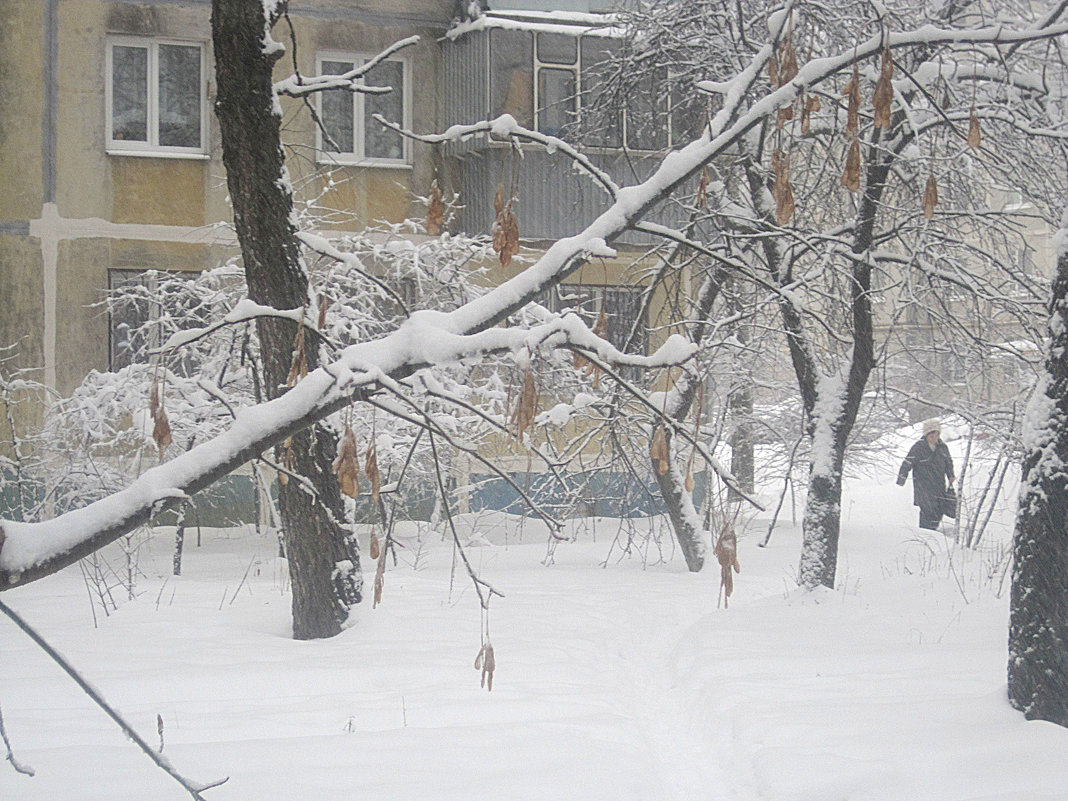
(617, 682)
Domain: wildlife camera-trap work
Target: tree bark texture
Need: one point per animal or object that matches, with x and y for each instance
(678, 503)
(680, 510)
(1038, 612)
(836, 416)
(324, 562)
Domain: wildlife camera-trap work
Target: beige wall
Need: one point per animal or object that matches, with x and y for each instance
(131, 212)
(21, 79)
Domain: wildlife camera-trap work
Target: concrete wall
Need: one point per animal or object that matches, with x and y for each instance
(70, 211)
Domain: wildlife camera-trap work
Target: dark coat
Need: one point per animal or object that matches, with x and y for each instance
(930, 469)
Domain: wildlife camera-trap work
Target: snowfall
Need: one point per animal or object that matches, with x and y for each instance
(618, 676)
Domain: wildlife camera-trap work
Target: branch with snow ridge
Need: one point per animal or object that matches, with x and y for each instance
(33, 550)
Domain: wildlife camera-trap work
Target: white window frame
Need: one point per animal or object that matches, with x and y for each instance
(152, 147)
(573, 68)
(357, 157)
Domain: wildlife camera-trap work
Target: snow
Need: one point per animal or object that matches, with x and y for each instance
(620, 682)
(541, 22)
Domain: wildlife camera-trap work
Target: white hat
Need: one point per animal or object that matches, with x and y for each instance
(931, 425)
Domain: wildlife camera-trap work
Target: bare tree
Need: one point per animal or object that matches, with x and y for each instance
(832, 206)
(1038, 624)
(276, 277)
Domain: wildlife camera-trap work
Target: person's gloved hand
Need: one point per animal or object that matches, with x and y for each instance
(901, 481)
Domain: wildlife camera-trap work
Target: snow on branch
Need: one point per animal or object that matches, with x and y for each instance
(505, 127)
(298, 86)
(195, 789)
(33, 550)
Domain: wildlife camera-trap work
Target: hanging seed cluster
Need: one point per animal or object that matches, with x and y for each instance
(487, 663)
(505, 226)
(727, 555)
(435, 215)
(346, 466)
(347, 469)
(781, 191)
(526, 408)
(658, 450)
(161, 427)
(298, 366)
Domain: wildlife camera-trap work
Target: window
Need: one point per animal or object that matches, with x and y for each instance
(351, 134)
(140, 297)
(550, 81)
(557, 89)
(622, 305)
(156, 95)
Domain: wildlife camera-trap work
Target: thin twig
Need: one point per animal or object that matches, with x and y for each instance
(479, 583)
(161, 762)
(18, 766)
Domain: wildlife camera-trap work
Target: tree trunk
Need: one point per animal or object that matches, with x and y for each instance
(1038, 615)
(821, 526)
(831, 409)
(685, 523)
(324, 561)
(681, 513)
(179, 540)
(743, 456)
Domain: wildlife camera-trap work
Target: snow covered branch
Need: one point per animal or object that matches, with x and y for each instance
(33, 550)
(298, 86)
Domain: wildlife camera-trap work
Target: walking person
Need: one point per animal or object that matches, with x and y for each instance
(931, 466)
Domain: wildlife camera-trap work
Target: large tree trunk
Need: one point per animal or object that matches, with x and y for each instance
(1038, 619)
(324, 560)
(689, 532)
(831, 405)
(821, 526)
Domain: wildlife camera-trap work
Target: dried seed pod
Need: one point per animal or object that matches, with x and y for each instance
(726, 551)
(784, 115)
(298, 368)
(930, 196)
(526, 404)
(809, 104)
(346, 464)
(153, 398)
(375, 548)
(371, 469)
(658, 450)
(783, 194)
(852, 93)
(489, 664)
(702, 189)
(506, 235)
(578, 360)
(851, 174)
(324, 304)
(161, 431)
(435, 214)
(499, 199)
(380, 581)
(787, 60)
(883, 97)
(689, 481)
(600, 328)
(773, 71)
(975, 136)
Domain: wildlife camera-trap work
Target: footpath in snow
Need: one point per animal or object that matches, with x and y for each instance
(620, 682)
